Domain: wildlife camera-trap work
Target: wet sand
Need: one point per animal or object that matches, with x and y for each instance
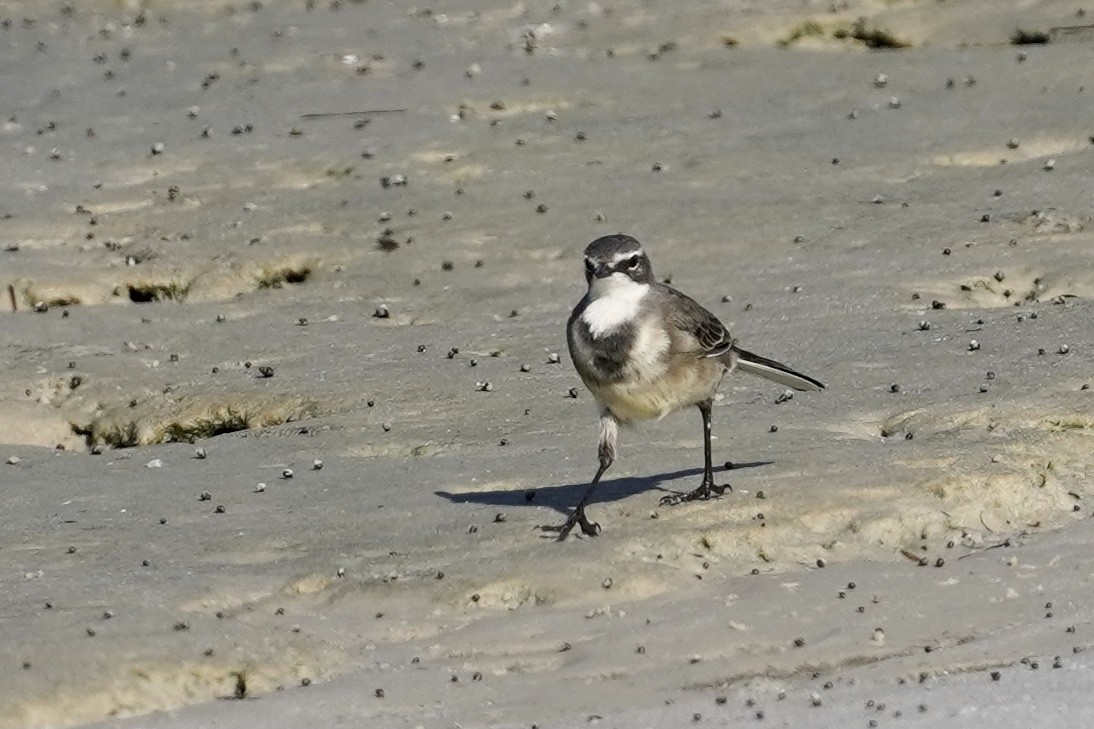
(252, 469)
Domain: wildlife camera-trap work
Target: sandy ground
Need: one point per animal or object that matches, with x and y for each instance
(190, 261)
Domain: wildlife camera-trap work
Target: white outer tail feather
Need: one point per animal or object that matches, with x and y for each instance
(784, 377)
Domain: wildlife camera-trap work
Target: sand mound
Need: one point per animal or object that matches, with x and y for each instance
(169, 419)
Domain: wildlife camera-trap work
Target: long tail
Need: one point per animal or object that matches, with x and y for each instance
(769, 369)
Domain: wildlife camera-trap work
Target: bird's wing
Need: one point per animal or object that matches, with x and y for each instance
(687, 317)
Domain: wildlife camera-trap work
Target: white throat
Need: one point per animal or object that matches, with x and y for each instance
(616, 300)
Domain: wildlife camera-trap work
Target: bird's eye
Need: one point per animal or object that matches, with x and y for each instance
(633, 262)
(589, 266)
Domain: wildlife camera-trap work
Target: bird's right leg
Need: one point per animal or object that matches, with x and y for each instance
(707, 488)
(609, 434)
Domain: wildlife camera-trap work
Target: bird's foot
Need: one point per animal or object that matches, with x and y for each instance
(706, 490)
(578, 518)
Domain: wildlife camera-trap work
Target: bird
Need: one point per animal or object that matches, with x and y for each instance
(645, 350)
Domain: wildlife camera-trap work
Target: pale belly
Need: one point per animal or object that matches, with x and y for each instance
(651, 399)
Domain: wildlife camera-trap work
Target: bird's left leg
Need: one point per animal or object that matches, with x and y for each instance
(609, 433)
(707, 487)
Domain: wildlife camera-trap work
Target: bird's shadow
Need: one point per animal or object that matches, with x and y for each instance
(563, 498)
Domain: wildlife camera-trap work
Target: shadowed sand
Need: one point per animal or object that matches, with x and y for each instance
(280, 411)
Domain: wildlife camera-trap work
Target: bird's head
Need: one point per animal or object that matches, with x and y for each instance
(616, 259)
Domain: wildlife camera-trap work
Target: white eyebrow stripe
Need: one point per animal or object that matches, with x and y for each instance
(624, 256)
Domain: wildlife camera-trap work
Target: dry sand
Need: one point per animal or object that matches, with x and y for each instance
(210, 263)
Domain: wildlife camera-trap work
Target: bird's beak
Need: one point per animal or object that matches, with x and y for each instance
(602, 270)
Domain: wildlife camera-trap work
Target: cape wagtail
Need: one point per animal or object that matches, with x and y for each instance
(645, 350)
